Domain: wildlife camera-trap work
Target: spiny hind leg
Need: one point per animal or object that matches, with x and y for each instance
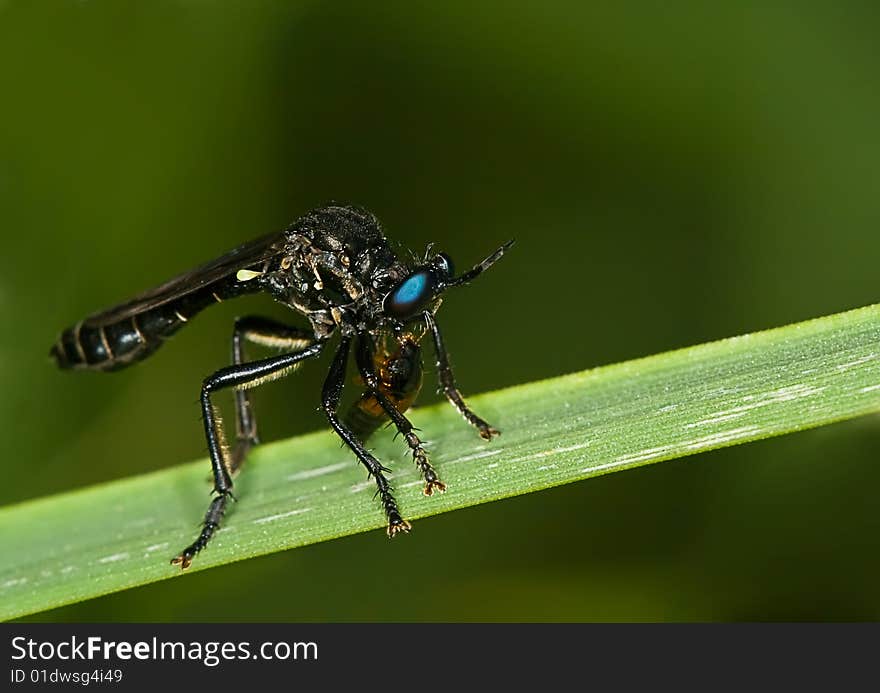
(268, 333)
(238, 376)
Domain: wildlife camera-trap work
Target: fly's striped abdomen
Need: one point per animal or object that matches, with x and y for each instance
(102, 347)
(107, 342)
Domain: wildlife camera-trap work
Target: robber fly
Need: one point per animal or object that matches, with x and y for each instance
(335, 267)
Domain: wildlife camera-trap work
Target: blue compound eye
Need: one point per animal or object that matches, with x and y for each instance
(412, 295)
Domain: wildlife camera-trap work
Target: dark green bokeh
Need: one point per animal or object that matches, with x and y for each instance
(672, 175)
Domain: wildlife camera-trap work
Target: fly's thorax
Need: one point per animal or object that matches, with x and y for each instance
(331, 301)
(347, 242)
(337, 257)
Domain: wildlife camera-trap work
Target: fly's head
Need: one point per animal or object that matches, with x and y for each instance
(420, 290)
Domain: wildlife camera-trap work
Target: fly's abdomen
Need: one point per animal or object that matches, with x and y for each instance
(110, 341)
(111, 346)
(102, 347)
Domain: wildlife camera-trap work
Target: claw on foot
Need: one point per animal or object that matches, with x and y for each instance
(184, 560)
(434, 485)
(397, 525)
(487, 432)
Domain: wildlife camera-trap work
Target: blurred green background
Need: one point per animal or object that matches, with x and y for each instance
(673, 173)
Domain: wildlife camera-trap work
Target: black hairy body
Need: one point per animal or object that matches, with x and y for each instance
(335, 267)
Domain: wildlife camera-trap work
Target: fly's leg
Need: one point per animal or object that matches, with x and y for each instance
(268, 333)
(330, 396)
(364, 357)
(243, 375)
(447, 383)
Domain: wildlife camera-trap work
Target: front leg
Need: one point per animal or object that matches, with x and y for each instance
(240, 376)
(365, 363)
(447, 383)
(330, 397)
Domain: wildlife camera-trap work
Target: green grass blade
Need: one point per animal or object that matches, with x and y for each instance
(105, 538)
